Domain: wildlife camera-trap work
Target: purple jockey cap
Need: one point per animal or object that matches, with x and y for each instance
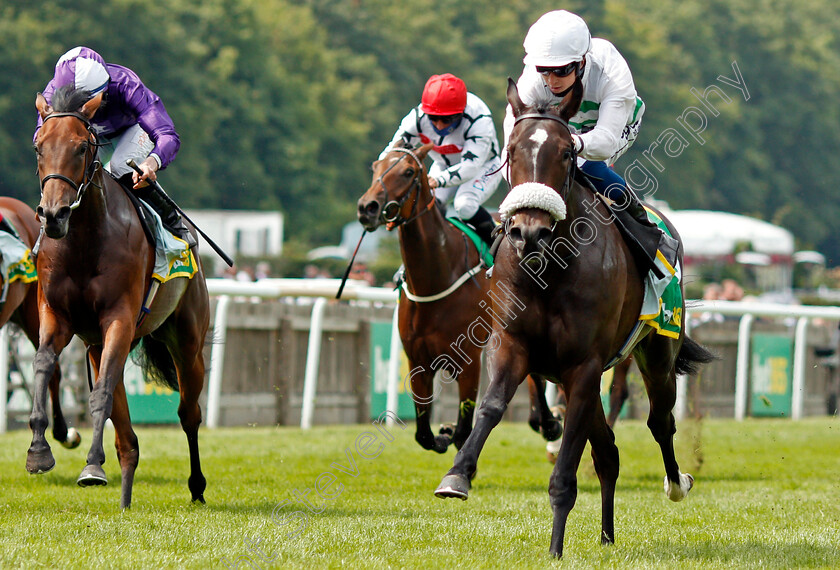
(83, 68)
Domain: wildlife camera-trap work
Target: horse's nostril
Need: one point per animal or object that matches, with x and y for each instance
(372, 208)
(516, 234)
(543, 235)
(39, 211)
(63, 213)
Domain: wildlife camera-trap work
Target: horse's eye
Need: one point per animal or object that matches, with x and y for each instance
(83, 148)
(567, 155)
(409, 172)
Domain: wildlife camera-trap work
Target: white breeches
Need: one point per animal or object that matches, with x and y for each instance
(472, 194)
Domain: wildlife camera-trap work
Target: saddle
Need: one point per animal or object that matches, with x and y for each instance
(145, 222)
(645, 242)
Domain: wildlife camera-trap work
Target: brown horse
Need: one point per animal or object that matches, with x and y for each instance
(21, 308)
(574, 319)
(443, 320)
(95, 271)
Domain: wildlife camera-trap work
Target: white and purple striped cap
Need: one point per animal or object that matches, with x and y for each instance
(83, 68)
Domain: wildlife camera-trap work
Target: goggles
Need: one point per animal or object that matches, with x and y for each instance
(562, 71)
(445, 119)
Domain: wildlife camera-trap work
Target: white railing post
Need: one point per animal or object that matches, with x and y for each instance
(800, 346)
(392, 400)
(313, 357)
(4, 376)
(742, 367)
(217, 362)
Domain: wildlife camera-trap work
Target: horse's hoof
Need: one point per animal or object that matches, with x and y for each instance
(73, 439)
(92, 475)
(38, 462)
(199, 499)
(678, 492)
(552, 430)
(453, 486)
(442, 443)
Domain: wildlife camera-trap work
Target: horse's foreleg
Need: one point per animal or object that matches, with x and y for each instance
(504, 379)
(109, 360)
(420, 384)
(52, 339)
(583, 400)
(68, 437)
(605, 459)
(468, 381)
(128, 449)
(540, 418)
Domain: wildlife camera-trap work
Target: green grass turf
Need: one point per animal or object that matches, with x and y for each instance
(767, 495)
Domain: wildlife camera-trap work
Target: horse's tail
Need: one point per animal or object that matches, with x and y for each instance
(154, 359)
(692, 354)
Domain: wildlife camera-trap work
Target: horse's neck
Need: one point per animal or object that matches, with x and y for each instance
(429, 253)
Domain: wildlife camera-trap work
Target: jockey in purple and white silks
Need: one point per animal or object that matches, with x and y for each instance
(131, 119)
(465, 156)
(560, 56)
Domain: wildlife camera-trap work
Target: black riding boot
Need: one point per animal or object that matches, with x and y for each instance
(169, 215)
(635, 209)
(483, 223)
(164, 207)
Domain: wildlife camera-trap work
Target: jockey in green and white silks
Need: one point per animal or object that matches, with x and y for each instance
(465, 157)
(560, 55)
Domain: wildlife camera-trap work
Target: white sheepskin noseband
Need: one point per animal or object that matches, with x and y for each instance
(533, 195)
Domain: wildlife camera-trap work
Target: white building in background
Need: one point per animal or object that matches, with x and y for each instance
(241, 232)
(715, 238)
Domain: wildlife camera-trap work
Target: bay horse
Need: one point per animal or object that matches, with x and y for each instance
(575, 320)
(95, 269)
(21, 308)
(443, 322)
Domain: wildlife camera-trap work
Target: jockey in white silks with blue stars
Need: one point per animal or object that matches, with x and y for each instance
(465, 157)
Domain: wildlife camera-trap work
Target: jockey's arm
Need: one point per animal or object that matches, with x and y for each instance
(602, 142)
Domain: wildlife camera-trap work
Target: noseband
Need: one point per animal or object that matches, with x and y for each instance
(396, 219)
(90, 167)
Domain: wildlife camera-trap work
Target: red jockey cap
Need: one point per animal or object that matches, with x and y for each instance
(444, 95)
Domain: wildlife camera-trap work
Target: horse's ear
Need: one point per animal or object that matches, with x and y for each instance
(422, 151)
(513, 98)
(89, 108)
(41, 104)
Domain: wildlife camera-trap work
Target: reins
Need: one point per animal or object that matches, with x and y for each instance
(396, 220)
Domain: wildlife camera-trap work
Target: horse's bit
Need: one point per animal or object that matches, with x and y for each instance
(397, 205)
(90, 168)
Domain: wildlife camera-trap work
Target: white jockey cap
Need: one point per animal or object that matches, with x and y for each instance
(556, 39)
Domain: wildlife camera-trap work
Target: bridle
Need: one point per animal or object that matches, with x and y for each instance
(395, 219)
(570, 172)
(90, 167)
(549, 117)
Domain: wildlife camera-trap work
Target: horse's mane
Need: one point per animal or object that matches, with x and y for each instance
(546, 103)
(68, 99)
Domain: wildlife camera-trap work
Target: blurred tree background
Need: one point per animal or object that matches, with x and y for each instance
(283, 104)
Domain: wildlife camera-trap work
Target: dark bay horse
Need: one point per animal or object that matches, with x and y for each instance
(577, 316)
(21, 308)
(443, 319)
(95, 265)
